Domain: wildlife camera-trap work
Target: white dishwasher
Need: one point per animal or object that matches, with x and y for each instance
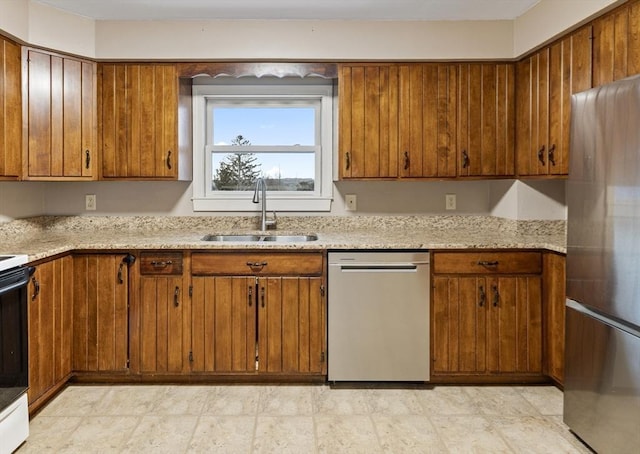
(378, 316)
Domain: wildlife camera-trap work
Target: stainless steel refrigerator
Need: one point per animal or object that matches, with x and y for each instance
(602, 356)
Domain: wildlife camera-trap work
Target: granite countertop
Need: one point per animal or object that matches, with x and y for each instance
(46, 236)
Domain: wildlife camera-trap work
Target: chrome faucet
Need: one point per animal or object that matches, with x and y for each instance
(260, 194)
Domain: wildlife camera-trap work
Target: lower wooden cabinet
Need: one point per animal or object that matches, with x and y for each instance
(554, 291)
(250, 322)
(101, 312)
(163, 310)
(487, 323)
(50, 327)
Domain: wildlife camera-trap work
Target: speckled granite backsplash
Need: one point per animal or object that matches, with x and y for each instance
(290, 223)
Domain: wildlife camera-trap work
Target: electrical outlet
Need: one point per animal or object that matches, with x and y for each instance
(90, 202)
(350, 202)
(450, 202)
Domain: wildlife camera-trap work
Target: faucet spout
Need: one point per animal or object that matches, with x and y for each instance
(260, 195)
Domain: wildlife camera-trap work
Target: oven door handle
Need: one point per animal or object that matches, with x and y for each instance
(21, 283)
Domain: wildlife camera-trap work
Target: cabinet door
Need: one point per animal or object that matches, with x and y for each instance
(554, 291)
(139, 120)
(100, 313)
(368, 121)
(60, 117)
(427, 121)
(164, 325)
(514, 325)
(532, 123)
(610, 47)
(50, 324)
(223, 324)
(486, 119)
(459, 325)
(291, 319)
(10, 110)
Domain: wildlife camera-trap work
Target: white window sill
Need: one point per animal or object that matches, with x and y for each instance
(273, 204)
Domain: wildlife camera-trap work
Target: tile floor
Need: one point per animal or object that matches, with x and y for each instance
(302, 419)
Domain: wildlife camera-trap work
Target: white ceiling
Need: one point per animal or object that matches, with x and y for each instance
(295, 9)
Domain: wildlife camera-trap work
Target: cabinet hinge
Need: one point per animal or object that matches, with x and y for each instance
(322, 357)
(190, 357)
(190, 290)
(322, 290)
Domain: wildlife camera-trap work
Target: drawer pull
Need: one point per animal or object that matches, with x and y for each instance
(162, 263)
(256, 264)
(488, 263)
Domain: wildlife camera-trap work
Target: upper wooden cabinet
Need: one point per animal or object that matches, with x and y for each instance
(59, 117)
(397, 121)
(368, 130)
(10, 111)
(545, 83)
(486, 119)
(427, 120)
(139, 121)
(616, 44)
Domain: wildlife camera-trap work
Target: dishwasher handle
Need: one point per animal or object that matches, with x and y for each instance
(379, 268)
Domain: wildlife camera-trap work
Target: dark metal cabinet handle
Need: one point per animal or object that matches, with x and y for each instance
(36, 287)
(161, 264)
(120, 278)
(250, 296)
(259, 265)
(496, 295)
(541, 155)
(551, 155)
(488, 263)
(87, 158)
(347, 161)
(262, 296)
(127, 260)
(407, 161)
(169, 159)
(176, 297)
(483, 296)
(465, 159)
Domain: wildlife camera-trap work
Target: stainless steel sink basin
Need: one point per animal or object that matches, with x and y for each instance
(242, 238)
(290, 238)
(272, 238)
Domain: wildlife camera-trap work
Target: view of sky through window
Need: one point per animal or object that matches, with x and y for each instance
(270, 126)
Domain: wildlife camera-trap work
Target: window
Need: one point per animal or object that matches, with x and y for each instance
(277, 130)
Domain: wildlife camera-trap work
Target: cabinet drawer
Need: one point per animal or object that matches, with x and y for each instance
(258, 263)
(487, 262)
(161, 263)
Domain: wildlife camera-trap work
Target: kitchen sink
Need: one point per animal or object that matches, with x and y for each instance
(272, 238)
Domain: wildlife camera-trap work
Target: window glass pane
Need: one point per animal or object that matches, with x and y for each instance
(281, 171)
(264, 125)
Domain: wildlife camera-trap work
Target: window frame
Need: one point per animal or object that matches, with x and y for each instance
(205, 199)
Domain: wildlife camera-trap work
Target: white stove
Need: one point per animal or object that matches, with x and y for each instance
(11, 261)
(14, 412)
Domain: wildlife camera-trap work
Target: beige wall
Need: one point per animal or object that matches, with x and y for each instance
(296, 40)
(304, 40)
(550, 18)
